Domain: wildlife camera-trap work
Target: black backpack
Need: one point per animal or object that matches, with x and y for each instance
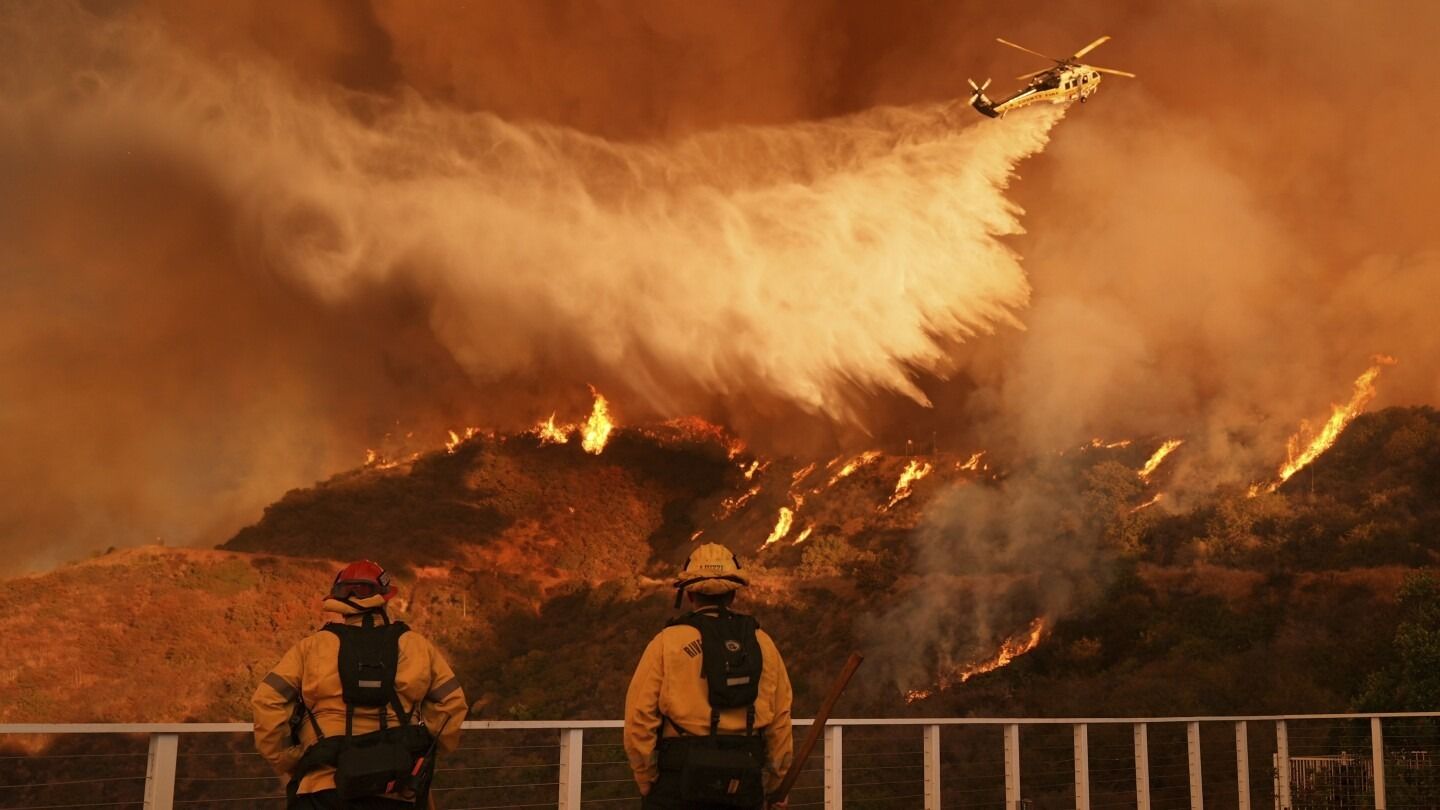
(391, 759)
(725, 769)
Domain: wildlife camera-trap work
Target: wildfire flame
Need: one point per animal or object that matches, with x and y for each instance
(729, 505)
(456, 439)
(1298, 457)
(973, 464)
(371, 457)
(782, 525)
(803, 536)
(550, 433)
(913, 472)
(1010, 649)
(752, 468)
(802, 473)
(854, 464)
(1159, 496)
(1100, 444)
(594, 431)
(1158, 456)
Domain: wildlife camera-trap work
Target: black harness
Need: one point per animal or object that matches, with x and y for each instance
(395, 759)
(724, 769)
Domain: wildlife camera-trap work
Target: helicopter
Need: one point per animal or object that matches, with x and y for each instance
(1067, 81)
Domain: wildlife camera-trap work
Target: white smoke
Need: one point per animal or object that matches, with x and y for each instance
(805, 264)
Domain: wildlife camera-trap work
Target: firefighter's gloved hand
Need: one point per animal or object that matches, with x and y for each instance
(780, 805)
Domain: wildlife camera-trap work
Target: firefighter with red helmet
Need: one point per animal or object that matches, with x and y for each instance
(354, 715)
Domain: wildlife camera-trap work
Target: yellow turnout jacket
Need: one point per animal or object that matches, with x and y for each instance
(669, 681)
(309, 671)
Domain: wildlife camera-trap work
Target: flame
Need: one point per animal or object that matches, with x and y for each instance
(729, 506)
(456, 439)
(1101, 444)
(1159, 496)
(1158, 456)
(973, 463)
(1010, 649)
(852, 465)
(913, 472)
(550, 433)
(803, 536)
(753, 468)
(371, 457)
(782, 525)
(802, 473)
(1340, 418)
(597, 428)
(696, 535)
(594, 431)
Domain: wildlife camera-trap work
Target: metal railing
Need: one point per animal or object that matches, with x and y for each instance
(1294, 762)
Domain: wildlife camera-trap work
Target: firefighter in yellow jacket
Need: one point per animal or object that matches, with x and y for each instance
(365, 677)
(707, 715)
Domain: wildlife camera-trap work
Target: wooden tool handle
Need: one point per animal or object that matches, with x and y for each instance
(816, 729)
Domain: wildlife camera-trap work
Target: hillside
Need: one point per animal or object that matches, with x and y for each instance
(542, 569)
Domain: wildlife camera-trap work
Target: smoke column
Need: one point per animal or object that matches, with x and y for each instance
(808, 264)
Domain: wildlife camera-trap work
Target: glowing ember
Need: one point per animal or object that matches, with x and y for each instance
(913, 472)
(1010, 649)
(1158, 456)
(753, 468)
(782, 525)
(854, 464)
(973, 463)
(597, 428)
(1159, 496)
(802, 473)
(550, 433)
(371, 457)
(1101, 444)
(1298, 457)
(696, 535)
(803, 536)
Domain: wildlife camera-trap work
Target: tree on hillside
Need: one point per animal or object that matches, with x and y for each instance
(1410, 681)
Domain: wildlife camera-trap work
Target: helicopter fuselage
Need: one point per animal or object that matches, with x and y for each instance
(1058, 86)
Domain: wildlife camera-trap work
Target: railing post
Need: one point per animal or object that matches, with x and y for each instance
(572, 749)
(160, 772)
(932, 767)
(1242, 765)
(1377, 755)
(1142, 767)
(1192, 748)
(1082, 766)
(1282, 766)
(834, 767)
(1012, 766)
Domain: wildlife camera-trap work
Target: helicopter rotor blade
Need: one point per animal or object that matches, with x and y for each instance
(1113, 71)
(1032, 75)
(1027, 50)
(1092, 46)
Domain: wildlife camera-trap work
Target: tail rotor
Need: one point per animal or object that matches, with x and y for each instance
(979, 90)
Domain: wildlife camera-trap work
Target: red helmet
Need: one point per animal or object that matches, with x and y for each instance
(360, 580)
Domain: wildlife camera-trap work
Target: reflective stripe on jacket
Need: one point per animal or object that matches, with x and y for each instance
(309, 670)
(669, 680)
